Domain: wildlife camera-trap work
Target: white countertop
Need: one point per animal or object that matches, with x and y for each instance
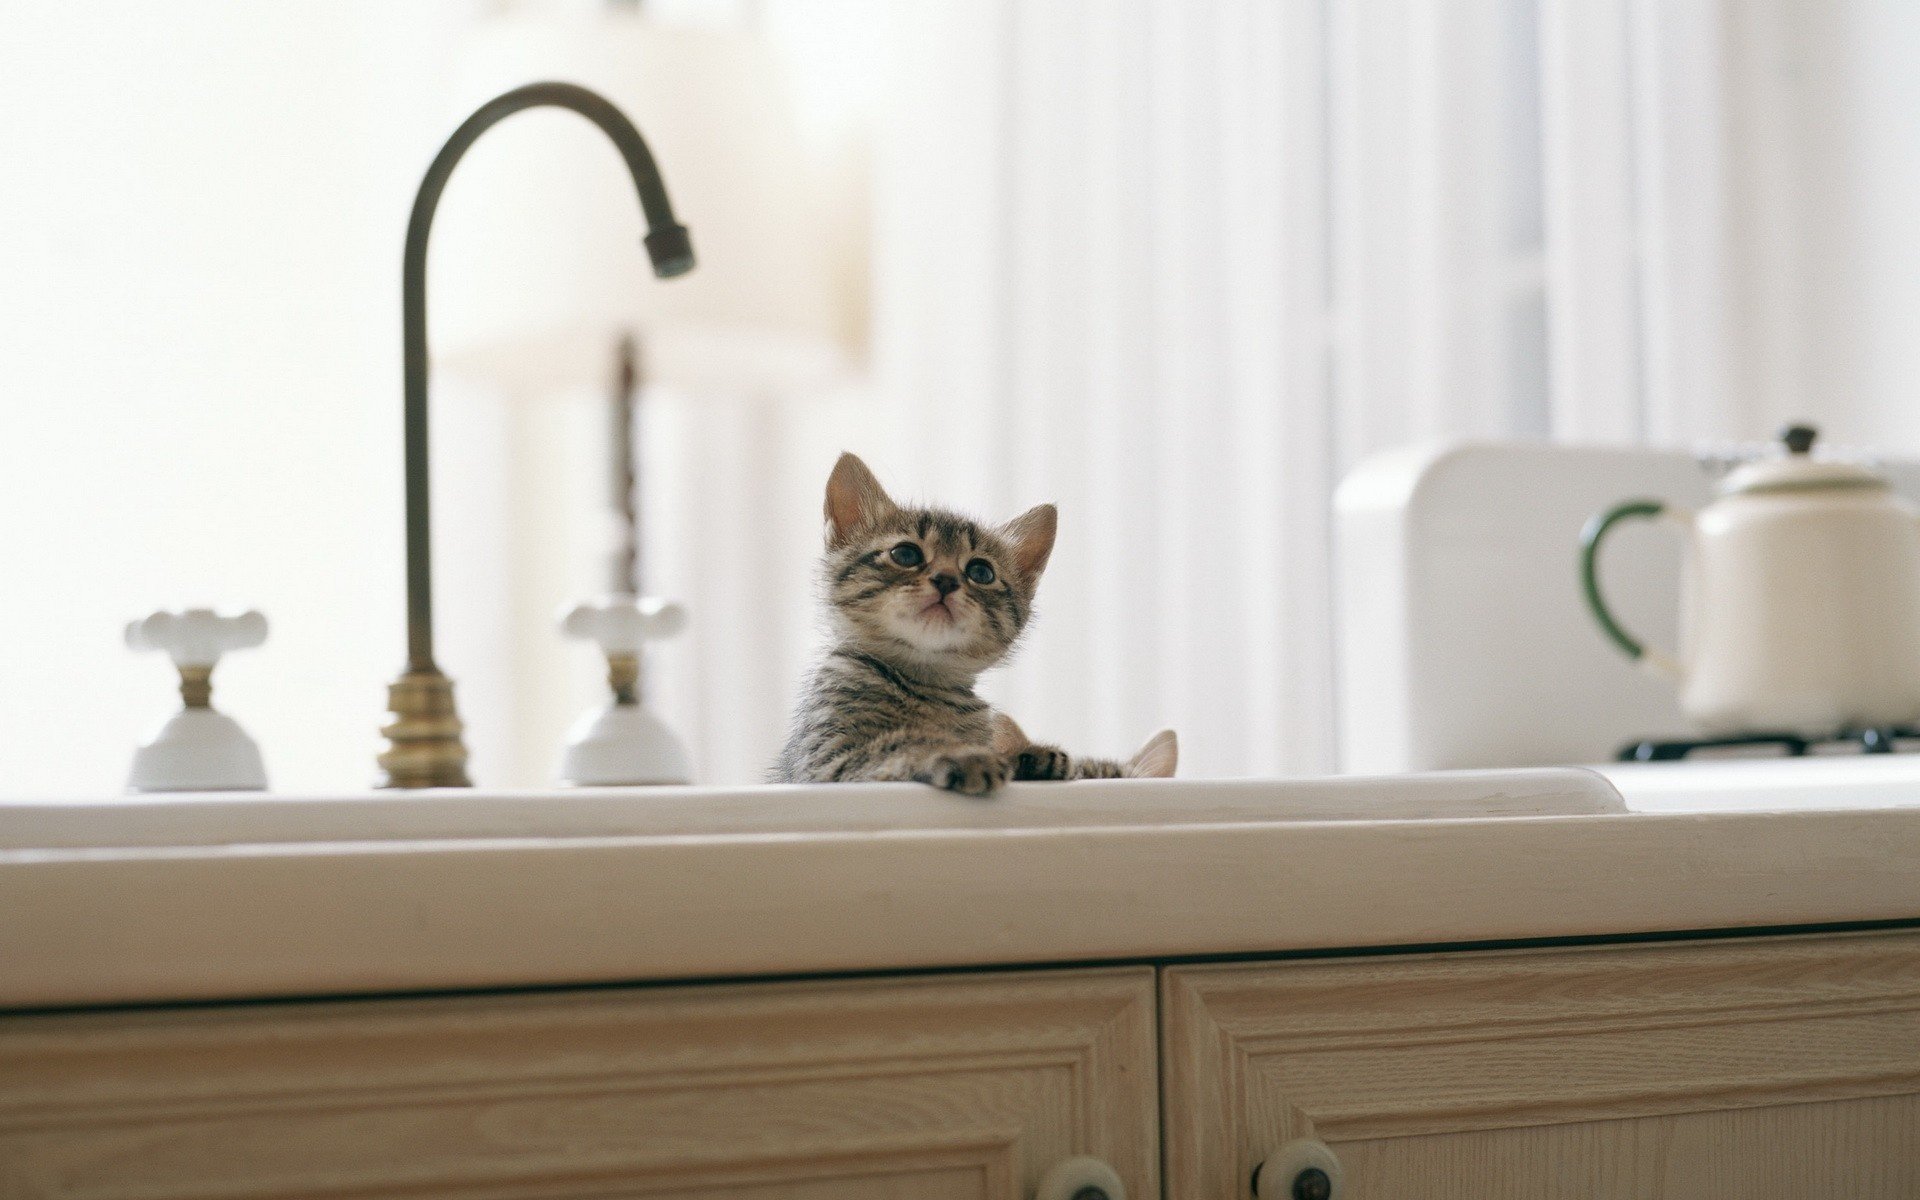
(204, 897)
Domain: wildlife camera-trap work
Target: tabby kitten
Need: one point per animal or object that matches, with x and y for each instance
(922, 601)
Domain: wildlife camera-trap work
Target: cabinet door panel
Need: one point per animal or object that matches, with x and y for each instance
(950, 1087)
(1753, 1068)
(1835, 1148)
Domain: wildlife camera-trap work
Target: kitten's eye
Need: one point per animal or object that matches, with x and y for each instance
(980, 571)
(907, 555)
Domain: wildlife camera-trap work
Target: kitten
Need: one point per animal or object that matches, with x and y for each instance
(922, 601)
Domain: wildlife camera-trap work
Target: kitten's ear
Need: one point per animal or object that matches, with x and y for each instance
(1032, 536)
(1157, 758)
(854, 498)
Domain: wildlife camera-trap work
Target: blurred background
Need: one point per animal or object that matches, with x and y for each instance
(1174, 265)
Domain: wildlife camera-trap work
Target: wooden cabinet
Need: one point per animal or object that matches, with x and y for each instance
(1705, 1070)
(937, 1087)
(1710, 1070)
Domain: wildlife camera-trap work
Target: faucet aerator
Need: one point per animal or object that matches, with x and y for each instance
(671, 250)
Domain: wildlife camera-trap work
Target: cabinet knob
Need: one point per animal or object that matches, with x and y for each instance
(1081, 1179)
(1303, 1169)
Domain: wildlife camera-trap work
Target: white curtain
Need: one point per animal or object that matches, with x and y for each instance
(1108, 288)
(1177, 266)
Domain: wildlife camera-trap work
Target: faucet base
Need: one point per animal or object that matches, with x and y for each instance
(424, 747)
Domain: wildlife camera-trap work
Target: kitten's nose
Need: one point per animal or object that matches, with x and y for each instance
(946, 585)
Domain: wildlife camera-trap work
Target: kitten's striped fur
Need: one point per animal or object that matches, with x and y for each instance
(922, 601)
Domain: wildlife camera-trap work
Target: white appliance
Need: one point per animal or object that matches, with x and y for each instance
(1462, 638)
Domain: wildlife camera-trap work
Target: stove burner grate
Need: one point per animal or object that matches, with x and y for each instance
(1881, 740)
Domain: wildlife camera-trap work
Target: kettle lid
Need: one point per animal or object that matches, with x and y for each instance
(1797, 470)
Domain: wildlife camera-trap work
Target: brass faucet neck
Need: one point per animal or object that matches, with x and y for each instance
(668, 245)
(424, 746)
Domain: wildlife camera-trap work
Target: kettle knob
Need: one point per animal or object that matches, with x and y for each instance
(1799, 438)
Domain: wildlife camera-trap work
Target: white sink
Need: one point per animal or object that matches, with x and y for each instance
(143, 899)
(215, 819)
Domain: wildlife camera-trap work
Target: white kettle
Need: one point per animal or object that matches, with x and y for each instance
(1800, 599)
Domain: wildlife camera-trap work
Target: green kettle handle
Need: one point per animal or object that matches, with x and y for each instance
(1590, 539)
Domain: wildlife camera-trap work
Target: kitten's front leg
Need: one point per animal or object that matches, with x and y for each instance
(1035, 761)
(968, 770)
(1027, 758)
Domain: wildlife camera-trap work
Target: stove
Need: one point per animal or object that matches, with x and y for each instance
(1892, 739)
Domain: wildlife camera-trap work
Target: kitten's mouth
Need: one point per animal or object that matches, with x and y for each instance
(939, 612)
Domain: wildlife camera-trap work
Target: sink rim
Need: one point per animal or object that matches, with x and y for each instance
(234, 818)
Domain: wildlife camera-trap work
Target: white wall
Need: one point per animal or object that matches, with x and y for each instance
(1822, 239)
(201, 209)
(1881, 125)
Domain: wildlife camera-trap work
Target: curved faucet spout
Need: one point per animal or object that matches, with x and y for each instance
(425, 748)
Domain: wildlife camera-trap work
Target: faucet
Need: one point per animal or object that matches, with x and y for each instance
(424, 743)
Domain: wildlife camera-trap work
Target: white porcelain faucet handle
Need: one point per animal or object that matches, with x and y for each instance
(199, 748)
(619, 624)
(197, 637)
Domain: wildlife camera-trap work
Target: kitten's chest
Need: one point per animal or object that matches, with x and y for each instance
(871, 695)
(974, 726)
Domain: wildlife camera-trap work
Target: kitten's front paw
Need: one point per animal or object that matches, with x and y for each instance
(976, 773)
(1041, 762)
